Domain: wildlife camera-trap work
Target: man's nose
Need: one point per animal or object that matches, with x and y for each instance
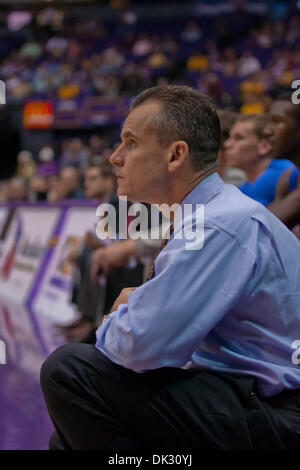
(116, 158)
(269, 130)
(226, 144)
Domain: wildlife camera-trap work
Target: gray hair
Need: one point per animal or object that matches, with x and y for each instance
(259, 122)
(186, 114)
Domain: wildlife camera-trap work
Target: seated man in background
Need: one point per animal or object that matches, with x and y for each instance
(202, 355)
(99, 184)
(118, 254)
(228, 174)
(17, 189)
(277, 116)
(70, 184)
(287, 142)
(38, 188)
(248, 149)
(91, 297)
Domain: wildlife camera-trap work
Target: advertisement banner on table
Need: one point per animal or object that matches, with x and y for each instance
(53, 294)
(22, 345)
(5, 219)
(4, 213)
(23, 248)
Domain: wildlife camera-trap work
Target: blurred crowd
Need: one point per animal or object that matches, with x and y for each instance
(238, 59)
(249, 158)
(54, 175)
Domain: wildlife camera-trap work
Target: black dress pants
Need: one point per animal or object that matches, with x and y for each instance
(96, 404)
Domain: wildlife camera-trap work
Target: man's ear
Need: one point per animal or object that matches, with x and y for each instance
(179, 151)
(264, 147)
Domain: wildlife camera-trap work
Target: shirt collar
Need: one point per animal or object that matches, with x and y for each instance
(205, 190)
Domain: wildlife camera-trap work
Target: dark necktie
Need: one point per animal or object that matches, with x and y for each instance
(163, 244)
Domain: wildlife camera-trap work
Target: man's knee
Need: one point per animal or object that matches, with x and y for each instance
(54, 368)
(74, 359)
(55, 442)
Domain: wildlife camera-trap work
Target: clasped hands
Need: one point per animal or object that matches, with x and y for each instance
(122, 298)
(112, 256)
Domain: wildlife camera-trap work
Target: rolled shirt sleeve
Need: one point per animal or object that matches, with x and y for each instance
(167, 318)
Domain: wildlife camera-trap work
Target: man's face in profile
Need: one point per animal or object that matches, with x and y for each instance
(287, 141)
(242, 147)
(94, 183)
(140, 162)
(277, 117)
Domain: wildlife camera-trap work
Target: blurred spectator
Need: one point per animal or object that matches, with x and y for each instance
(197, 61)
(143, 45)
(213, 54)
(38, 188)
(74, 154)
(50, 17)
(133, 79)
(230, 175)
(157, 58)
(69, 184)
(4, 190)
(212, 85)
(31, 49)
(248, 149)
(112, 60)
(228, 62)
(106, 153)
(16, 189)
(99, 181)
(264, 36)
(18, 88)
(287, 136)
(47, 164)
(287, 143)
(54, 189)
(248, 64)
(57, 45)
(293, 31)
(95, 145)
(252, 90)
(129, 20)
(277, 117)
(169, 44)
(67, 91)
(191, 33)
(41, 80)
(26, 165)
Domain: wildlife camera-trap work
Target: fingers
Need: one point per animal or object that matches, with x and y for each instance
(96, 263)
(128, 290)
(123, 297)
(107, 258)
(105, 263)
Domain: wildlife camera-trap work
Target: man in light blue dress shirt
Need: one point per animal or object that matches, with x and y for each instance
(204, 355)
